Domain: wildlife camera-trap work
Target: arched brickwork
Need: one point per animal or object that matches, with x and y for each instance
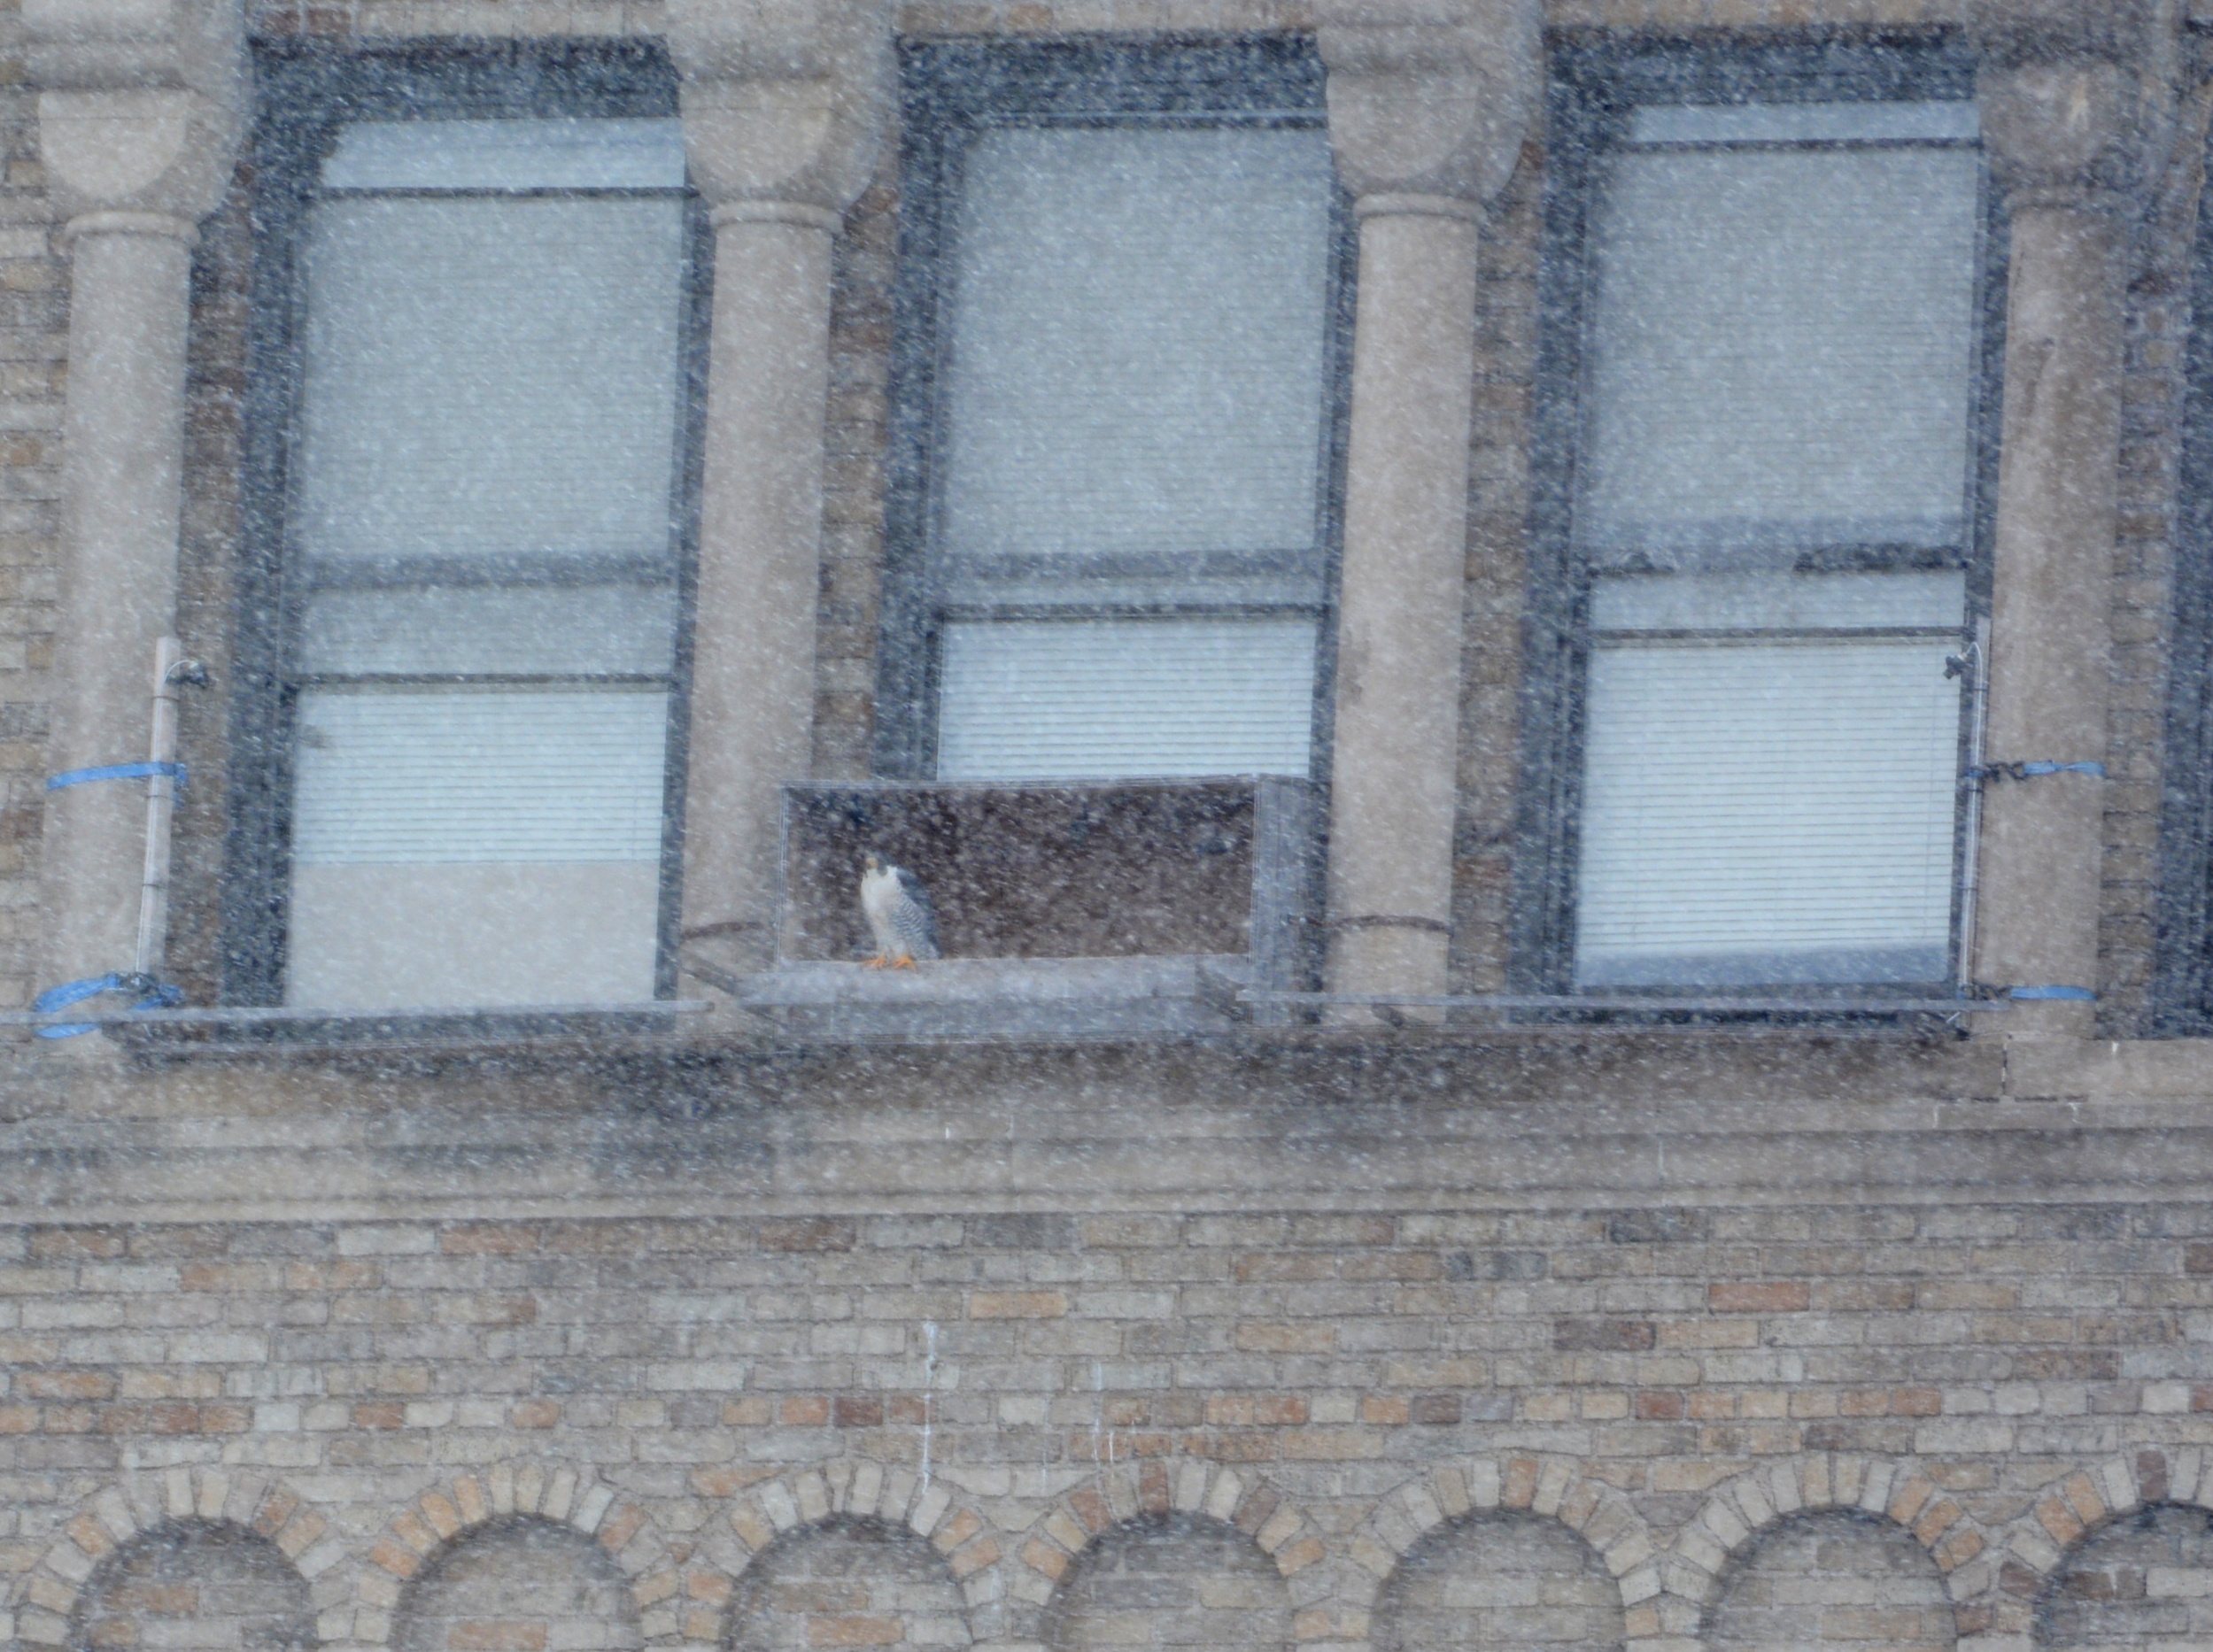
(523, 1489)
(2142, 1582)
(1171, 1580)
(1739, 1509)
(2069, 1514)
(850, 1488)
(848, 1581)
(1498, 1580)
(1837, 1580)
(522, 1584)
(138, 1504)
(1541, 1485)
(1232, 1497)
(203, 1583)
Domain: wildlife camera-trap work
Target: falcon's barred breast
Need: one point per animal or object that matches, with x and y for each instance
(898, 910)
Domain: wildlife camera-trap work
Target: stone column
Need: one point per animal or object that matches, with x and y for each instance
(2056, 136)
(786, 106)
(138, 128)
(1426, 117)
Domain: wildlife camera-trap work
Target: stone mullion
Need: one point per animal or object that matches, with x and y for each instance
(1426, 116)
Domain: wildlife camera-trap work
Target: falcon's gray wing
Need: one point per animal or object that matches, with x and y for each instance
(916, 918)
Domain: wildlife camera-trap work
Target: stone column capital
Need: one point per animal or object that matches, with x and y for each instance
(141, 103)
(2060, 133)
(1430, 98)
(2060, 100)
(784, 102)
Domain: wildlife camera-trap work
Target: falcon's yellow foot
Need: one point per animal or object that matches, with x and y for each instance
(880, 961)
(905, 960)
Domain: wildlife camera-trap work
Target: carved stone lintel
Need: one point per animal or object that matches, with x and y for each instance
(140, 103)
(1430, 98)
(783, 100)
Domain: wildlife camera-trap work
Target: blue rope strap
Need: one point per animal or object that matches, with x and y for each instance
(154, 995)
(2025, 771)
(116, 771)
(2072, 994)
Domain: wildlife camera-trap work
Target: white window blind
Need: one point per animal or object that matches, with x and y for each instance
(1782, 342)
(1136, 327)
(1782, 351)
(399, 776)
(491, 376)
(490, 410)
(475, 845)
(479, 155)
(529, 630)
(1120, 698)
(1763, 809)
(1136, 359)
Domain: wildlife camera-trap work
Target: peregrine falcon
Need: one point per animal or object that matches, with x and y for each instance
(898, 910)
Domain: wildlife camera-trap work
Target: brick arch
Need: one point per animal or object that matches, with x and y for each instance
(2074, 1507)
(1235, 1497)
(856, 1488)
(526, 1488)
(1556, 1488)
(140, 1504)
(1738, 1510)
(2071, 1512)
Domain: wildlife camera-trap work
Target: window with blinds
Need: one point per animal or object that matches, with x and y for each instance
(1772, 529)
(482, 536)
(1118, 347)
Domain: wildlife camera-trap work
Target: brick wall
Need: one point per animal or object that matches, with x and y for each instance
(1864, 1428)
(33, 323)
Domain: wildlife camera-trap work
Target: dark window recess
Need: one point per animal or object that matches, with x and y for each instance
(476, 357)
(1765, 457)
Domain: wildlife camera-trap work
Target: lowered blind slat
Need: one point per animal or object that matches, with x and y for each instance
(611, 631)
(1768, 812)
(1782, 349)
(1136, 359)
(1760, 599)
(1122, 698)
(1900, 120)
(432, 776)
(490, 377)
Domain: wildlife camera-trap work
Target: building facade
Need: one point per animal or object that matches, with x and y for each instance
(1550, 667)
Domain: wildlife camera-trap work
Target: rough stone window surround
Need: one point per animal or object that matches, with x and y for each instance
(1592, 87)
(953, 88)
(304, 93)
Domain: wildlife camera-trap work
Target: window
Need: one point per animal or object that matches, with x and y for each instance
(1113, 512)
(1762, 519)
(473, 474)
